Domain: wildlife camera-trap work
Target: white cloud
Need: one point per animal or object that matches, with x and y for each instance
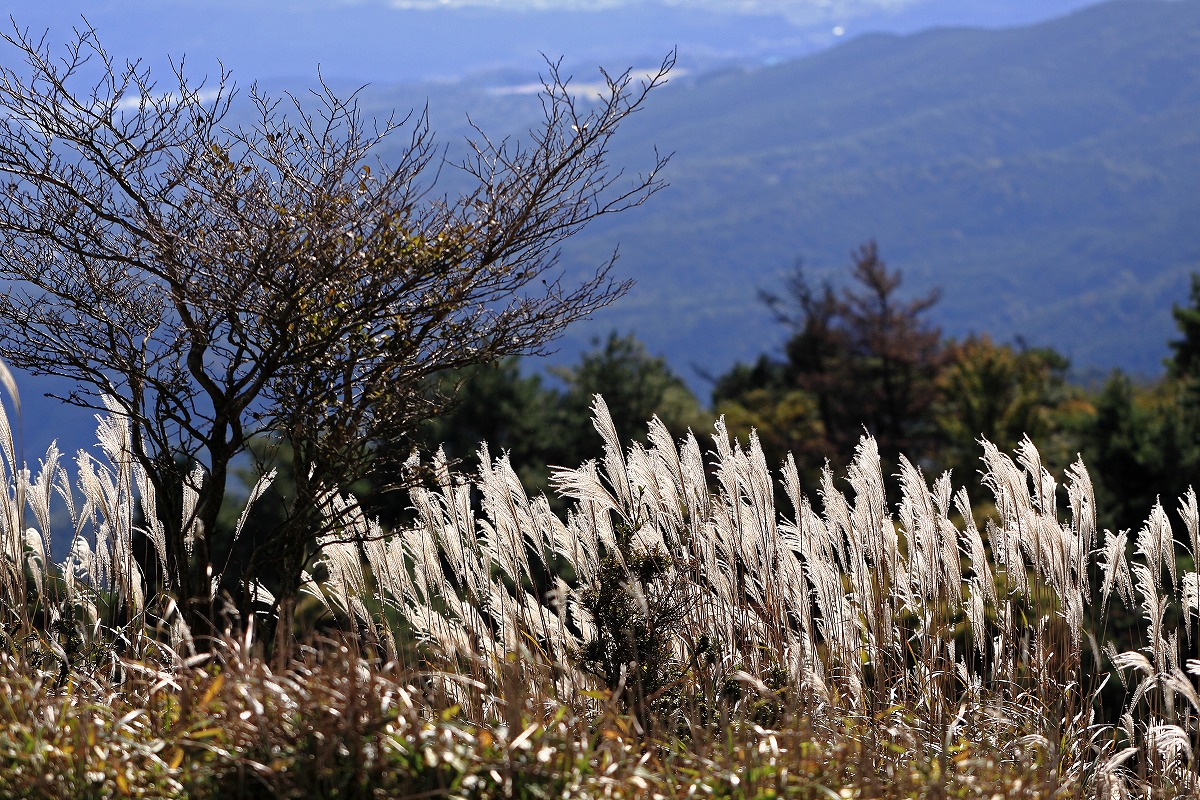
(584, 89)
(803, 12)
(134, 102)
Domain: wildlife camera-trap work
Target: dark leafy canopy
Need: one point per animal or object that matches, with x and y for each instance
(868, 358)
(1002, 393)
(1185, 351)
(1135, 442)
(540, 425)
(1143, 442)
(510, 411)
(214, 281)
(636, 386)
(859, 358)
(863, 358)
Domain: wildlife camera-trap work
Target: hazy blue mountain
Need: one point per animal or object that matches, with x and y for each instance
(1045, 177)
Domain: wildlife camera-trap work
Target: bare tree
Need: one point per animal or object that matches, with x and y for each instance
(216, 281)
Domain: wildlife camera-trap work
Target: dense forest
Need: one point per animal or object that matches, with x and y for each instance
(860, 355)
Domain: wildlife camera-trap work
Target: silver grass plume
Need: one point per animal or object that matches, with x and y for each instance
(1013, 505)
(40, 491)
(153, 528)
(870, 516)
(260, 487)
(985, 583)
(799, 536)
(512, 525)
(696, 494)
(1082, 499)
(1154, 608)
(38, 494)
(1044, 497)
(948, 544)
(836, 512)
(1115, 567)
(669, 465)
(977, 616)
(614, 461)
(594, 500)
(920, 520)
(190, 521)
(853, 555)
(12, 529)
(1171, 742)
(1190, 589)
(1156, 544)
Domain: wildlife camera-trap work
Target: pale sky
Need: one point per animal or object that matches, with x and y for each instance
(802, 12)
(381, 40)
(399, 40)
(825, 7)
(802, 9)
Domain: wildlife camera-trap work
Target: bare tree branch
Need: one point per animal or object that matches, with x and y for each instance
(225, 282)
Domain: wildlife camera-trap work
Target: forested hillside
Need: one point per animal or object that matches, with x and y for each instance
(1043, 176)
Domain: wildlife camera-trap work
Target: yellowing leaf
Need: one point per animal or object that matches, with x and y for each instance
(206, 733)
(212, 690)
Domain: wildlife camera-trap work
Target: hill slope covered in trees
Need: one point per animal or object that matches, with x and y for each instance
(1043, 177)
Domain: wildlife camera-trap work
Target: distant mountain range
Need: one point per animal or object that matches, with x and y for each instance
(1046, 178)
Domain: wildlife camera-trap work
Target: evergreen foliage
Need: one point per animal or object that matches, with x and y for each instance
(537, 423)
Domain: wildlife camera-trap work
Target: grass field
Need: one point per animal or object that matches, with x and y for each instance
(675, 634)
